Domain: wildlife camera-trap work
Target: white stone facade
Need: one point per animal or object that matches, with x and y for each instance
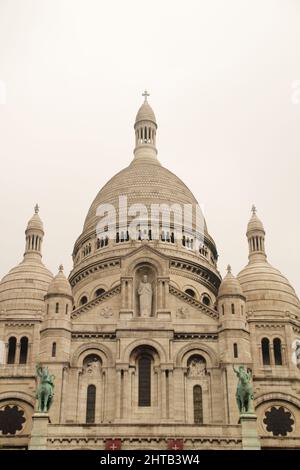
(153, 379)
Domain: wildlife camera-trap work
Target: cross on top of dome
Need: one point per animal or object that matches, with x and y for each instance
(146, 94)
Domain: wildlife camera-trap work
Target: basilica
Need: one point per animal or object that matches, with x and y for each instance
(143, 339)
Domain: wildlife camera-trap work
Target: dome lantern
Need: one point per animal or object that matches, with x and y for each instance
(145, 132)
(256, 238)
(34, 235)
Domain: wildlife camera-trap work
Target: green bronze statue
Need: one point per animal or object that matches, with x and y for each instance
(45, 389)
(244, 390)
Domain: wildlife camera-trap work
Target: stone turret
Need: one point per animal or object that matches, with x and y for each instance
(56, 327)
(234, 337)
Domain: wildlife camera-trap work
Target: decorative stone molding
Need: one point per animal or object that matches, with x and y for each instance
(93, 303)
(93, 334)
(204, 336)
(269, 325)
(195, 303)
(196, 272)
(91, 269)
(20, 324)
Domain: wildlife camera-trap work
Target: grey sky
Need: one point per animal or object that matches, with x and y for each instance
(220, 74)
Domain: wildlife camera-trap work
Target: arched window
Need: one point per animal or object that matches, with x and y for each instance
(277, 351)
(265, 349)
(235, 350)
(99, 292)
(190, 292)
(12, 344)
(198, 405)
(23, 350)
(67, 309)
(83, 300)
(223, 310)
(56, 307)
(232, 308)
(90, 404)
(206, 300)
(144, 364)
(53, 350)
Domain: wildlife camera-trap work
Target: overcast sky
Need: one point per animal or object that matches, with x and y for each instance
(221, 77)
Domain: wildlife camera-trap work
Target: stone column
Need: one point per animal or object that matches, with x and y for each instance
(163, 394)
(130, 292)
(272, 358)
(118, 394)
(166, 293)
(39, 433)
(123, 293)
(171, 394)
(125, 393)
(17, 355)
(103, 395)
(250, 437)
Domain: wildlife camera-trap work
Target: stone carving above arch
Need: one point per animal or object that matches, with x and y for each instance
(85, 350)
(92, 364)
(196, 349)
(196, 366)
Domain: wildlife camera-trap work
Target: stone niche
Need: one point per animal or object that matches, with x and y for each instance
(145, 291)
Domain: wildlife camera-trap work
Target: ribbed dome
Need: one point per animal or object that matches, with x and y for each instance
(266, 289)
(25, 286)
(145, 182)
(230, 285)
(255, 224)
(35, 223)
(60, 285)
(145, 113)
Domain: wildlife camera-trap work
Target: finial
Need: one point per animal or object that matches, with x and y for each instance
(61, 268)
(228, 268)
(36, 209)
(253, 209)
(146, 94)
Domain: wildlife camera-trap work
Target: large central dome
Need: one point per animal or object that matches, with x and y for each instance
(145, 182)
(172, 213)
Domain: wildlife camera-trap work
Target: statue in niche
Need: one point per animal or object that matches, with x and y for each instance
(92, 366)
(145, 296)
(197, 368)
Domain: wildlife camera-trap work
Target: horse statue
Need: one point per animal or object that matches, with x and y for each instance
(244, 391)
(45, 389)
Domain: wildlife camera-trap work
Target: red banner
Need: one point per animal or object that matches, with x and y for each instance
(175, 444)
(113, 444)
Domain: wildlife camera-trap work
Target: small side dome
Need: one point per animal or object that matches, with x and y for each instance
(230, 285)
(60, 284)
(35, 223)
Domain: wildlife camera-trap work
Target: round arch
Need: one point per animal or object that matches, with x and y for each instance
(268, 397)
(99, 286)
(18, 396)
(92, 348)
(196, 348)
(152, 262)
(145, 342)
